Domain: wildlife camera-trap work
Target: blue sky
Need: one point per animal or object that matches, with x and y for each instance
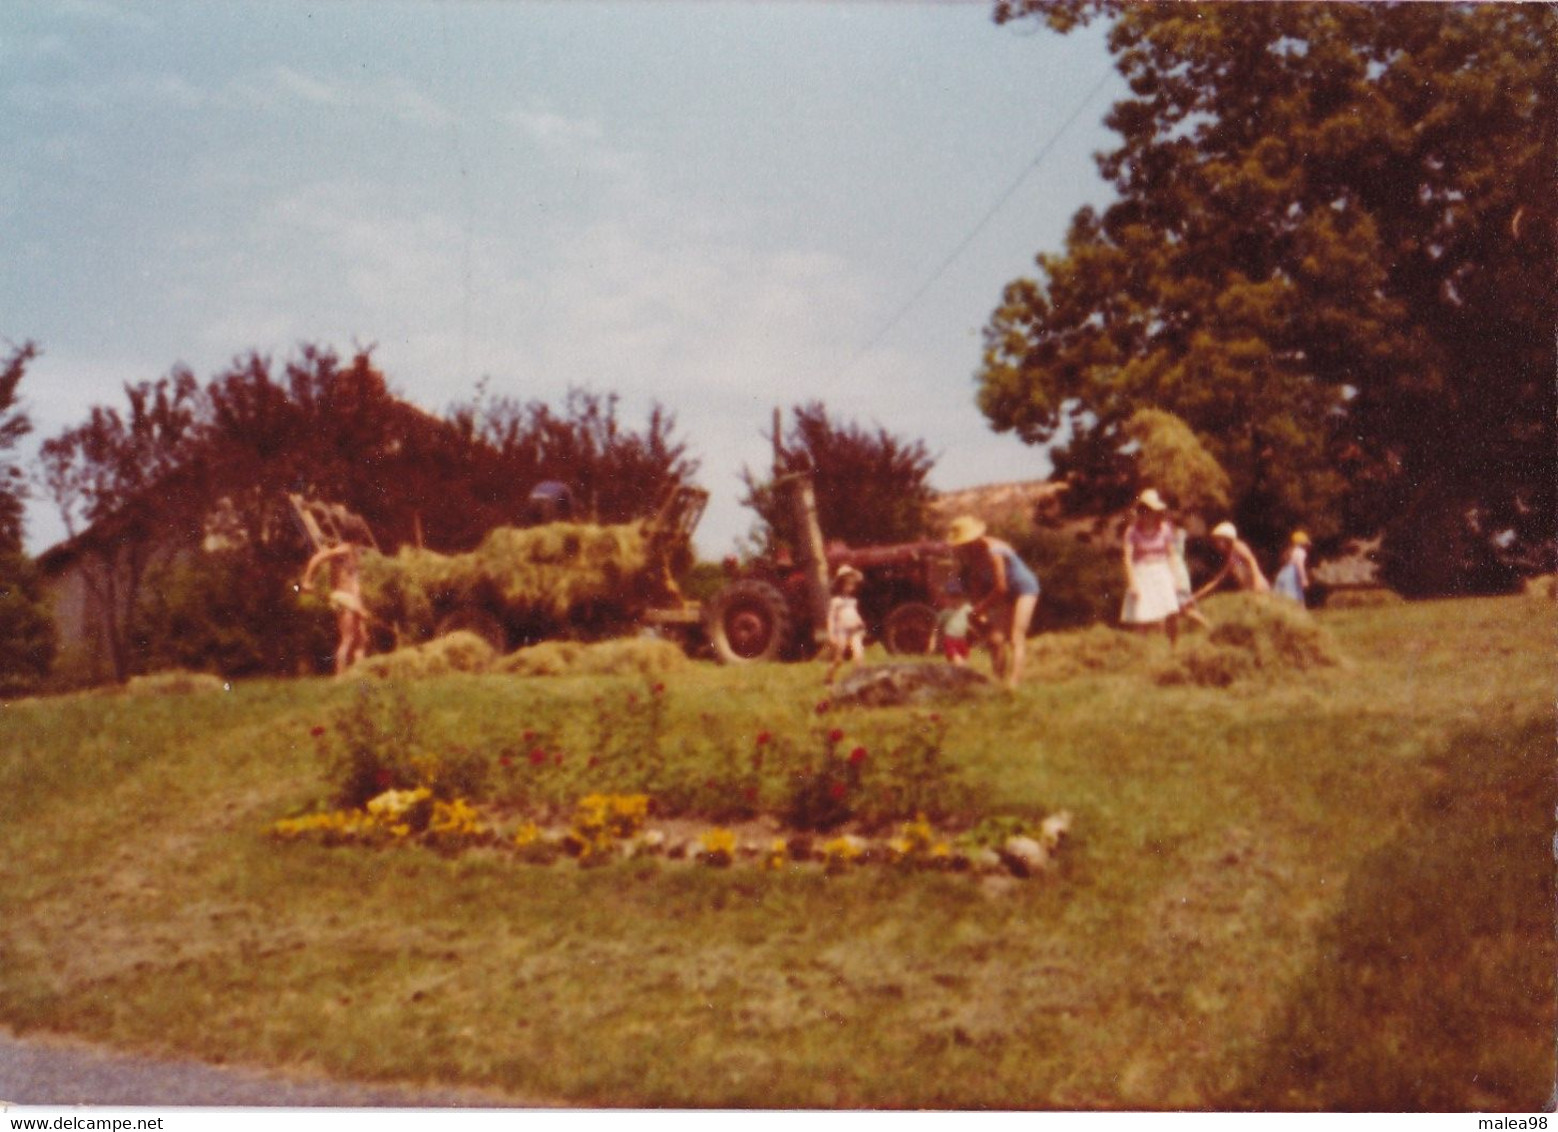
(722, 207)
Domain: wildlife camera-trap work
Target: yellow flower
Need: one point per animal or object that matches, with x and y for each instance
(717, 847)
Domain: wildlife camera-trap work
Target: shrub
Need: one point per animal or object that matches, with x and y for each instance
(27, 635)
(230, 614)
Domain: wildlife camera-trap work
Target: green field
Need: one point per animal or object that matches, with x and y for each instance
(1332, 890)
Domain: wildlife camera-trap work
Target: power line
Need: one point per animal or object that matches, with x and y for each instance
(983, 223)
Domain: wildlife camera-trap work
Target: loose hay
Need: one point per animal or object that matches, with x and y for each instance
(1098, 650)
(1252, 635)
(456, 652)
(1544, 585)
(174, 682)
(1375, 597)
(534, 580)
(648, 656)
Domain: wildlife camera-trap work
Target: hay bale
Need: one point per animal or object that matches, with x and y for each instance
(537, 579)
(455, 652)
(646, 656)
(1252, 634)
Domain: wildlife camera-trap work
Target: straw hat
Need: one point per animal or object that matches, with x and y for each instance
(1225, 530)
(965, 529)
(1151, 500)
(1300, 538)
(847, 571)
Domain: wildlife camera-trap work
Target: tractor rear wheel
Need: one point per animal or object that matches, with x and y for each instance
(909, 629)
(749, 621)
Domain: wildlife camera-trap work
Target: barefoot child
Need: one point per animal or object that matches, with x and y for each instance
(846, 628)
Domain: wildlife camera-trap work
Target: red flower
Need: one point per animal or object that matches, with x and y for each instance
(506, 760)
(822, 707)
(750, 793)
(857, 756)
(658, 689)
(537, 756)
(835, 735)
(528, 737)
(594, 762)
(317, 730)
(558, 758)
(763, 738)
(836, 790)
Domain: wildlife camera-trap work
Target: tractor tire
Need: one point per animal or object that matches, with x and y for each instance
(910, 629)
(748, 621)
(478, 621)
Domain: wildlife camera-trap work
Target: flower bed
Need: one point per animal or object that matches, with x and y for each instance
(812, 792)
(605, 828)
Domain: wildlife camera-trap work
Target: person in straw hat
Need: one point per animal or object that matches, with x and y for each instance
(846, 627)
(1004, 590)
(1238, 561)
(1151, 591)
(1292, 580)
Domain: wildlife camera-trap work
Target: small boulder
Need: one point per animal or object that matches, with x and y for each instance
(893, 685)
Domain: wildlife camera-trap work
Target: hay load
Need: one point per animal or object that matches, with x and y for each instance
(532, 583)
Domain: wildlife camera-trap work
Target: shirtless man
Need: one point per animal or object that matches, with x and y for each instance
(351, 618)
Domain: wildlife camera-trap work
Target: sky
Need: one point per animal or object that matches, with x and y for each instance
(719, 207)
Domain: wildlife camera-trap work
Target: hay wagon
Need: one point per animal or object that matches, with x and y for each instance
(521, 584)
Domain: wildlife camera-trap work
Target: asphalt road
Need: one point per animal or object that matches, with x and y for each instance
(55, 1072)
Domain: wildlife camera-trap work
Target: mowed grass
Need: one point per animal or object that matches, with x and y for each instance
(1331, 891)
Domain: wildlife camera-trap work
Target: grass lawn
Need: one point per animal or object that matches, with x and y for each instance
(1333, 891)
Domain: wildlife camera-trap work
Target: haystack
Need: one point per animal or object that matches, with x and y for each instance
(533, 581)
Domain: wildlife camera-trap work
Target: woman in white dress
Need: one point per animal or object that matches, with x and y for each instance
(1151, 591)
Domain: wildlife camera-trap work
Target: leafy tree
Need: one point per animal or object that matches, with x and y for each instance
(1331, 254)
(130, 494)
(616, 474)
(1170, 456)
(14, 424)
(871, 486)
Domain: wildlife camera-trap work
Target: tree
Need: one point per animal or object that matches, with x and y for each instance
(1170, 456)
(130, 494)
(27, 638)
(1331, 254)
(14, 424)
(871, 486)
(616, 474)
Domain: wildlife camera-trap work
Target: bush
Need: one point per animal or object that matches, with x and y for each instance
(230, 614)
(27, 635)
